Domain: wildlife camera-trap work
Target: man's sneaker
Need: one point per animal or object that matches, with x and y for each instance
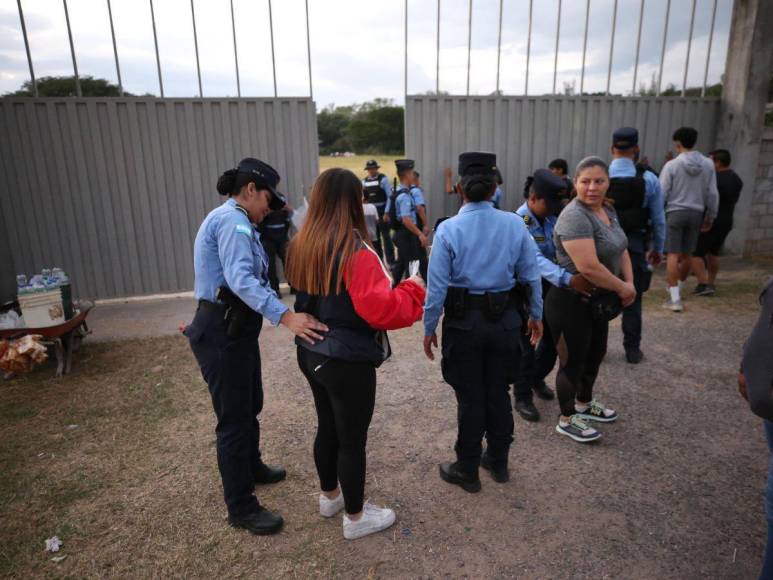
(597, 412)
(578, 430)
(704, 290)
(373, 519)
(330, 507)
(673, 306)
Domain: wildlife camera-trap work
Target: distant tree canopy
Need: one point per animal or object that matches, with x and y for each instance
(373, 127)
(65, 87)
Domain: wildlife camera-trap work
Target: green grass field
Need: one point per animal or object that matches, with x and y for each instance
(357, 164)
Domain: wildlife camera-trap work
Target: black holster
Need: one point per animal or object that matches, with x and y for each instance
(521, 295)
(456, 302)
(238, 315)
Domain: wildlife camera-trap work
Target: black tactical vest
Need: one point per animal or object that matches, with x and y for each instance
(628, 195)
(374, 193)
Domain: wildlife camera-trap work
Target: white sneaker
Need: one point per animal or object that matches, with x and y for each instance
(330, 507)
(673, 306)
(374, 519)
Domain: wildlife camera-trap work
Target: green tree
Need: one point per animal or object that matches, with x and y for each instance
(372, 127)
(65, 87)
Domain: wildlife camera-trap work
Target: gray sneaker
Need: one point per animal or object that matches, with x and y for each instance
(673, 306)
(578, 430)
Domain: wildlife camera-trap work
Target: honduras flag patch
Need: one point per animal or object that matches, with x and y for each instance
(242, 229)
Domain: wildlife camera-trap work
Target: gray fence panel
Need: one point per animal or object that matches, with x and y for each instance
(114, 190)
(528, 132)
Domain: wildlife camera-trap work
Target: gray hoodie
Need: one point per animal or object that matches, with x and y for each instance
(689, 182)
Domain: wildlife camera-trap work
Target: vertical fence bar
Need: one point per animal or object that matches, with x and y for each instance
(236, 53)
(612, 46)
(27, 48)
(708, 50)
(196, 48)
(405, 55)
(555, 58)
(155, 40)
(469, 44)
(72, 51)
(638, 47)
(437, 53)
(584, 46)
(499, 43)
(689, 46)
(528, 49)
(115, 48)
(663, 50)
(308, 50)
(273, 58)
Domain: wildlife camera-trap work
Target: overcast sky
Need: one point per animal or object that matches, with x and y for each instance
(357, 45)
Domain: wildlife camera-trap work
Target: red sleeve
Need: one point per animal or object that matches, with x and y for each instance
(374, 299)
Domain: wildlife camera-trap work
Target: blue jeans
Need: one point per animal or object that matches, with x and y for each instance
(767, 563)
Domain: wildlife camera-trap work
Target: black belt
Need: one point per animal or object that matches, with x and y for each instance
(208, 306)
(481, 302)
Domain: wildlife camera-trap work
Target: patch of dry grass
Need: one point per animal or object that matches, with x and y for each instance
(357, 164)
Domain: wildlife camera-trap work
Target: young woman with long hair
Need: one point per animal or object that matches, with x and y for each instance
(340, 279)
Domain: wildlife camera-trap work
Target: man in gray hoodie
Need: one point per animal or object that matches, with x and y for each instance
(690, 193)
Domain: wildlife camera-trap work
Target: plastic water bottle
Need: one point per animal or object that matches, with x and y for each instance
(21, 284)
(57, 274)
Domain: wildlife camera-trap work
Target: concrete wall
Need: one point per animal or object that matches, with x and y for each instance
(759, 238)
(113, 190)
(526, 133)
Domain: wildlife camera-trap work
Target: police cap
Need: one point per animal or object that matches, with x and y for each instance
(625, 138)
(477, 163)
(402, 164)
(548, 186)
(265, 176)
(372, 164)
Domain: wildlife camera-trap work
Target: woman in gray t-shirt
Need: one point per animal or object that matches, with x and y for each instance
(589, 241)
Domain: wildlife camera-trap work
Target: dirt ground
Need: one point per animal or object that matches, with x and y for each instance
(118, 460)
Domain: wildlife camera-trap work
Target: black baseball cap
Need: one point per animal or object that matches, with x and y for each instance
(549, 186)
(372, 164)
(477, 163)
(265, 176)
(625, 138)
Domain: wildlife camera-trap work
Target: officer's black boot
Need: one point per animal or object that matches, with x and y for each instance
(544, 392)
(497, 468)
(260, 521)
(269, 474)
(453, 473)
(527, 410)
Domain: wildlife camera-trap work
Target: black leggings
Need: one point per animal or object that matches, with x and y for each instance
(581, 343)
(344, 396)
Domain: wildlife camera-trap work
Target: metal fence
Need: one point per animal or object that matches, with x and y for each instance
(114, 190)
(526, 133)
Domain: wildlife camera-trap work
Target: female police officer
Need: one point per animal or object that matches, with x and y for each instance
(234, 295)
(476, 257)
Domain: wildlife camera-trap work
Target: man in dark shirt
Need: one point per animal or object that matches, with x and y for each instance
(705, 261)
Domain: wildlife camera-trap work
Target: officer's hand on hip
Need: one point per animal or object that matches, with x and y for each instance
(304, 325)
(535, 330)
(429, 342)
(580, 284)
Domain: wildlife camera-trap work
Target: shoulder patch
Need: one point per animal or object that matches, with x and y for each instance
(242, 229)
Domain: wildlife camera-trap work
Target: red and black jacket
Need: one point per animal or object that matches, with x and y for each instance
(366, 307)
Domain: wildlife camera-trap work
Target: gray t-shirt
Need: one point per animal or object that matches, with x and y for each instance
(578, 222)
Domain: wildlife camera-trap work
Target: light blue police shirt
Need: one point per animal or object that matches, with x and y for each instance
(227, 252)
(653, 199)
(496, 199)
(484, 250)
(416, 193)
(406, 204)
(542, 234)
